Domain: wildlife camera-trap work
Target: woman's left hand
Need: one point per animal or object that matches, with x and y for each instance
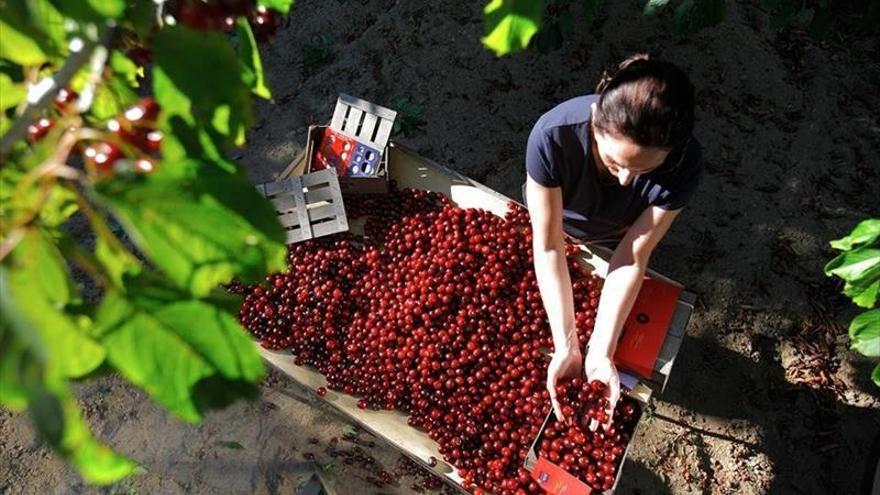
(600, 366)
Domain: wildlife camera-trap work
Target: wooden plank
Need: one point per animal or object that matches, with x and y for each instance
(379, 111)
(284, 204)
(384, 133)
(316, 195)
(321, 212)
(365, 135)
(290, 219)
(352, 121)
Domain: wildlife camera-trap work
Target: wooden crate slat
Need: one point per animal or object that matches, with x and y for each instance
(303, 200)
(352, 121)
(316, 195)
(384, 133)
(385, 113)
(368, 128)
(283, 204)
(321, 212)
(325, 228)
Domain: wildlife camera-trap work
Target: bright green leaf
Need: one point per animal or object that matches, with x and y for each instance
(863, 296)
(221, 102)
(112, 98)
(200, 231)
(864, 331)
(32, 375)
(40, 259)
(249, 54)
(875, 375)
(11, 93)
(653, 7)
(510, 24)
(866, 232)
(282, 6)
(17, 41)
(33, 271)
(166, 342)
(853, 265)
(126, 68)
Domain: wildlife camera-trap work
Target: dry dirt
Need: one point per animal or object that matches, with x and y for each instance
(765, 396)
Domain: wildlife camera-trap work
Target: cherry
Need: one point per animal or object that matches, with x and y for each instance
(144, 113)
(102, 155)
(435, 311)
(64, 99)
(264, 23)
(39, 129)
(322, 391)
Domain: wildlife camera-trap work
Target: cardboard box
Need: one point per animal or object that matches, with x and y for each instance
(410, 170)
(360, 120)
(653, 332)
(557, 481)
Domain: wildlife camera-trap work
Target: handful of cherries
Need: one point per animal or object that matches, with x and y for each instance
(592, 456)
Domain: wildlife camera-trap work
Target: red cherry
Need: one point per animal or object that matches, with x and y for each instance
(102, 155)
(64, 99)
(144, 113)
(39, 129)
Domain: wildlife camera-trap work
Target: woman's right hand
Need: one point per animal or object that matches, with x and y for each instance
(566, 362)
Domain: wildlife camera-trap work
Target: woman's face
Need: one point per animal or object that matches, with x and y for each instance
(624, 159)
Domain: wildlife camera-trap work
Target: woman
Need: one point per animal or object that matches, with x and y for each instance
(614, 168)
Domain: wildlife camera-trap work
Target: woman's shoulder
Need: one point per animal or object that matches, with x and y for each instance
(570, 113)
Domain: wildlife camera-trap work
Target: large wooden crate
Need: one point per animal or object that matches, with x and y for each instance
(411, 170)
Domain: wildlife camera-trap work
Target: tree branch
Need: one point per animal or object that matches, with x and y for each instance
(61, 79)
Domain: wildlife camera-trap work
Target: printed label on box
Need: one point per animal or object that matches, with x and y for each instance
(645, 329)
(556, 481)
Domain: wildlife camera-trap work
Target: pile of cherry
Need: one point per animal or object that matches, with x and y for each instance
(435, 311)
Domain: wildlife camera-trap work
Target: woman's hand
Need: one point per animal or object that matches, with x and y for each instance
(565, 363)
(599, 366)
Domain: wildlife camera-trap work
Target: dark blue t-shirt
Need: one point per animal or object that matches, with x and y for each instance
(596, 209)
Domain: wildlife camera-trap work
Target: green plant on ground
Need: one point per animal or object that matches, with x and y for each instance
(317, 52)
(858, 265)
(81, 144)
(410, 117)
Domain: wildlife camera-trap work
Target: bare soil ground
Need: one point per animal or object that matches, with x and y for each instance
(765, 396)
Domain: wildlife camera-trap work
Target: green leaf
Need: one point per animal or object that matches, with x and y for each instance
(591, 10)
(116, 261)
(11, 93)
(141, 17)
(249, 55)
(866, 232)
(91, 11)
(34, 271)
(282, 6)
(32, 376)
(222, 102)
(38, 256)
(126, 68)
(865, 297)
(112, 98)
(875, 375)
(864, 331)
(18, 41)
(854, 265)
(201, 231)
(694, 15)
(166, 342)
(510, 24)
(654, 7)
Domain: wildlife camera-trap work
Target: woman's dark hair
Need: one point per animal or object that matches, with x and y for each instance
(648, 101)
